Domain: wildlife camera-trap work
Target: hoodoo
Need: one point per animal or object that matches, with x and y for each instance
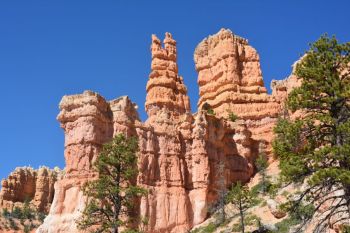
(185, 160)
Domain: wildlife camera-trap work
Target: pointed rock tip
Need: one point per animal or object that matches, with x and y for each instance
(155, 38)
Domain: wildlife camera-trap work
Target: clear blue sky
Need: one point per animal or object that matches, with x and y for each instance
(52, 48)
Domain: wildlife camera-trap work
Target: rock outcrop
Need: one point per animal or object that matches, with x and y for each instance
(185, 160)
(165, 88)
(86, 121)
(230, 81)
(27, 184)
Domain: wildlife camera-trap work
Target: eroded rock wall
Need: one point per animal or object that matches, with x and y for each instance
(87, 123)
(230, 80)
(27, 184)
(185, 160)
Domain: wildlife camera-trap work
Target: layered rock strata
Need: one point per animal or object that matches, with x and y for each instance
(86, 121)
(181, 157)
(230, 81)
(27, 184)
(185, 160)
(165, 88)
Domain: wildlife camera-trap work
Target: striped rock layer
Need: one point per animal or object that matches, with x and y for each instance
(185, 160)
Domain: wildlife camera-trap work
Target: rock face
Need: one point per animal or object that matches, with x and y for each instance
(230, 80)
(86, 121)
(27, 184)
(185, 159)
(165, 88)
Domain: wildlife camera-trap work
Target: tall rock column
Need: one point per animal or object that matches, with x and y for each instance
(87, 123)
(162, 141)
(165, 88)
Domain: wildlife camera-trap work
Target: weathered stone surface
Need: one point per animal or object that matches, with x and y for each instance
(165, 88)
(230, 80)
(28, 184)
(87, 123)
(185, 160)
(274, 209)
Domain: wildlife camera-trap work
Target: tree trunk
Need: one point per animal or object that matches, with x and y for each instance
(242, 216)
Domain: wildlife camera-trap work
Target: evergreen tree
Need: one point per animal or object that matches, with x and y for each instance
(17, 212)
(241, 197)
(27, 211)
(261, 166)
(316, 146)
(111, 197)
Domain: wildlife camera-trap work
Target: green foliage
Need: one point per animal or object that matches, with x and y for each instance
(13, 225)
(131, 231)
(287, 146)
(5, 213)
(27, 211)
(242, 198)
(211, 227)
(236, 227)
(232, 117)
(316, 147)
(114, 193)
(286, 225)
(297, 214)
(261, 163)
(17, 213)
(345, 229)
(270, 188)
(249, 220)
(261, 166)
(210, 111)
(27, 228)
(41, 216)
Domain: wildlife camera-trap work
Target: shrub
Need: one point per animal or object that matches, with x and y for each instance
(345, 229)
(41, 216)
(13, 225)
(27, 211)
(5, 213)
(232, 117)
(210, 111)
(26, 228)
(211, 227)
(17, 213)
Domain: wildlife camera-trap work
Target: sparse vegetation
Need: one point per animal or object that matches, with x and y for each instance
(5, 213)
(242, 198)
(261, 166)
(210, 111)
(21, 218)
(232, 117)
(211, 227)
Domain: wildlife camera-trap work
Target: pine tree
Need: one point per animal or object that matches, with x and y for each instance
(111, 197)
(242, 198)
(316, 146)
(261, 166)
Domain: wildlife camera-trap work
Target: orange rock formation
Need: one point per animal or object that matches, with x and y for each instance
(230, 80)
(27, 184)
(185, 159)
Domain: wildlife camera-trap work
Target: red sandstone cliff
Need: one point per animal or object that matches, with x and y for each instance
(185, 159)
